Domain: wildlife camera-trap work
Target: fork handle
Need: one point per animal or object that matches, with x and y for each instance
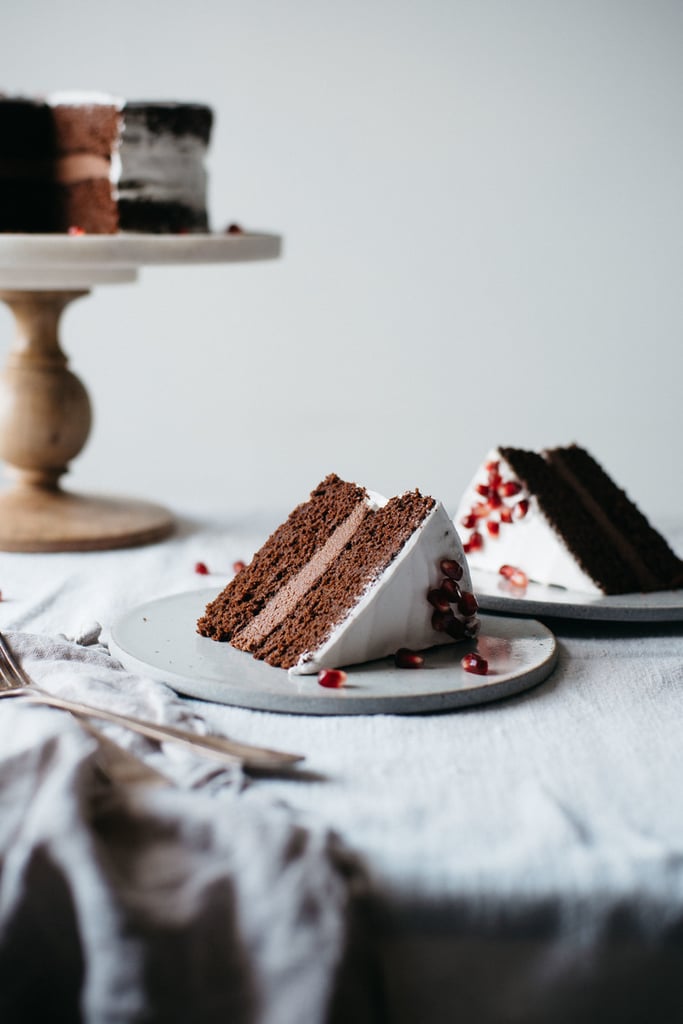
(218, 747)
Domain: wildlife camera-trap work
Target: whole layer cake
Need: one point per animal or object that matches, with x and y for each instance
(558, 518)
(91, 163)
(349, 577)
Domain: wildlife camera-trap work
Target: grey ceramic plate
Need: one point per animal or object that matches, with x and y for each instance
(158, 639)
(495, 594)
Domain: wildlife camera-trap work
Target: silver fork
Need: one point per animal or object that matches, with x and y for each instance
(14, 682)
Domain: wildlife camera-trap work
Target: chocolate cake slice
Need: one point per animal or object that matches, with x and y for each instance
(558, 518)
(347, 579)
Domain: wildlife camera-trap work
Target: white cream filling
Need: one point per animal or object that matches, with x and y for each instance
(530, 544)
(161, 167)
(394, 611)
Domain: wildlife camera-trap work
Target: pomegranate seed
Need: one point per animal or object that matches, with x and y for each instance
(520, 509)
(495, 500)
(474, 662)
(476, 541)
(234, 229)
(73, 231)
(238, 566)
(450, 588)
(515, 576)
(493, 527)
(495, 479)
(467, 605)
(492, 467)
(332, 678)
(449, 567)
(482, 489)
(466, 548)
(469, 521)
(438, 600)
(505, 514)
(441, 620)
(510, 488)
(201, 568)
(456, 629)
(481, 510)
(405, 658)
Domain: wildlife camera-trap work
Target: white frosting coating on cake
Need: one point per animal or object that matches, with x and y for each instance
(530, 543)
(81, 98)
(162, 166)
(394, 611)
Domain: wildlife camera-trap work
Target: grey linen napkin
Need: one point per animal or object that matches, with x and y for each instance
(198, 900)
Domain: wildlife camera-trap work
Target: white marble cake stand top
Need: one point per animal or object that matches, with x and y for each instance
(81, 261)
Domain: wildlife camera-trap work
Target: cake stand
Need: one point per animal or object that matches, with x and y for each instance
(45, 411)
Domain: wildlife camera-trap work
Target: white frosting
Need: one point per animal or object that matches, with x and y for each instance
(394, 611)
(530, 544)
(162, 167)
(78, 98)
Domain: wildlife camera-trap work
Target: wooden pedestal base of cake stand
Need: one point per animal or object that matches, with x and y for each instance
(45, 411)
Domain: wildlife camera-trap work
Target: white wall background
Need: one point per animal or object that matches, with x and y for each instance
(481, 205)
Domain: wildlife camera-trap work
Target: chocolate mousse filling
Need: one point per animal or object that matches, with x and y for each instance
(284, 602)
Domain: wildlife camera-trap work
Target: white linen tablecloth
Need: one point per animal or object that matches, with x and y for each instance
(518, 862)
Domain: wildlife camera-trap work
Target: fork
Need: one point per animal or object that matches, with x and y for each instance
(14, 682)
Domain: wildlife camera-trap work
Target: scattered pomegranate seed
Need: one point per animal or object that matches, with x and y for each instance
(510, 488)
(73, 231)
(481, 510)
(493, 526)
(449, 567)
(482, 489)
(492, 467)
(234, 229)
(474, 662)
(450, 588)
(516, 576)
(469, 521)
(238, 566)
(495, 479)
(201, 568)
(495, 500)
(505, 514)
(438, 600)
(467, 605)
(405, 658)
(476, 541)
(332, 678)
(467, 547)
(520, 509)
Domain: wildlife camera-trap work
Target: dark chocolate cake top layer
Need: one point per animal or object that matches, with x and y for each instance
(176, 118)
(32, 129)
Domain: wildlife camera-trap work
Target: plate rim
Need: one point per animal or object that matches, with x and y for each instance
(605, 608)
